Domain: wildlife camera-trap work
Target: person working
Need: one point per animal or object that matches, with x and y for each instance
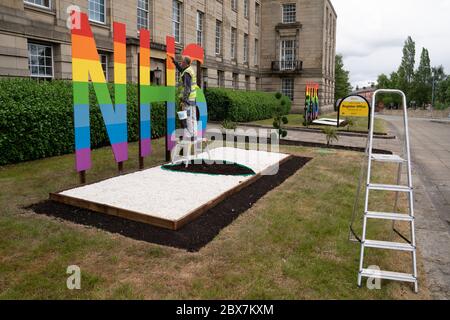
(188, 96)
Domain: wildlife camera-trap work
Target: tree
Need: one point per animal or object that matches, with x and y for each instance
(402, 79)
(441, 85)
(443, 92)
(424, 71)
(406, 69)
(395, 80)
(417, 84)
(422, 86)
(384, 82)
(388, 82)
(343, 86)
(438, 73)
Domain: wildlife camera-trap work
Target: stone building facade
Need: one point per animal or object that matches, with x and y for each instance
(299, 46)
(269, 45)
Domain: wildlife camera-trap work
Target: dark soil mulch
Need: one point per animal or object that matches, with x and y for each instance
(213, 168)
(296, 143)
(194, 235)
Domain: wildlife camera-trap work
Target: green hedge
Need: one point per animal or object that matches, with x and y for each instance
(36, 119)
(242, 106)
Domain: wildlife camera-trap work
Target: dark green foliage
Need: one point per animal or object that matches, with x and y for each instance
(230, 125)
(279, 116)
(36, 119)
(243, 106)
(423, 80)
(331, 135)
(389, 82)
(406, 70)
(343, 86)
(442, 89)
(350, 123)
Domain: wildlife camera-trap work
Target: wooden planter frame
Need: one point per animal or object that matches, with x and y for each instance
(157, 221)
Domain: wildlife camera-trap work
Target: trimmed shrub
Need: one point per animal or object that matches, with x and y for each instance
(243, 106)
(36, 119)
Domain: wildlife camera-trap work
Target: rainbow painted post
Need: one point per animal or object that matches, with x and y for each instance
(171, 83)
(145, 105)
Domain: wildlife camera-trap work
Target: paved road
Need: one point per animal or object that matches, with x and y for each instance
(430, 152)
(430, 149)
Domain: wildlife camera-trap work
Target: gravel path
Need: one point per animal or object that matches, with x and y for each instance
(172, 195)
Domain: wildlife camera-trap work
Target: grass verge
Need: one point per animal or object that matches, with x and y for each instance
(292, 244)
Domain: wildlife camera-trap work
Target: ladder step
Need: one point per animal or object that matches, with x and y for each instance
(389, 245)
(389, 216)
(388, 275)
(388, 187)
(388, 158)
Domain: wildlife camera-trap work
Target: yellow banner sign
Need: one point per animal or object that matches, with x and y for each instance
(354, 106)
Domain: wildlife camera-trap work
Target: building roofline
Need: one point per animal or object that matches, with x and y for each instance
(362, 90)
(332, 7)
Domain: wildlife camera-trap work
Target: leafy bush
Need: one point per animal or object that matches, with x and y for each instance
(36, 119)
(441, 106)
(330, 135)
(243, 106)
(230, 125)
(350, 123)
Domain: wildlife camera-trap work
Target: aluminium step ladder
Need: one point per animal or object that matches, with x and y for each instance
(410, 244)
(185, 146)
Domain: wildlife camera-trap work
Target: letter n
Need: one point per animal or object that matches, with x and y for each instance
(86, 67)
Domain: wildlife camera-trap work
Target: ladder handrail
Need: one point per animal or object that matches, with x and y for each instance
(414, 276)
(406, 126)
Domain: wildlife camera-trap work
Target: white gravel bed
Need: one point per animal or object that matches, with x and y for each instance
(173, 195)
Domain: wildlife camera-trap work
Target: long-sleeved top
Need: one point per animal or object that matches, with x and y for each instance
(187, 82)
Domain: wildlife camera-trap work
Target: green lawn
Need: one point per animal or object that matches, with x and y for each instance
(291, 245)
(360, 124)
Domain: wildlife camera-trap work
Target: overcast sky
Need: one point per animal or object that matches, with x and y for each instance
(370, 34)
